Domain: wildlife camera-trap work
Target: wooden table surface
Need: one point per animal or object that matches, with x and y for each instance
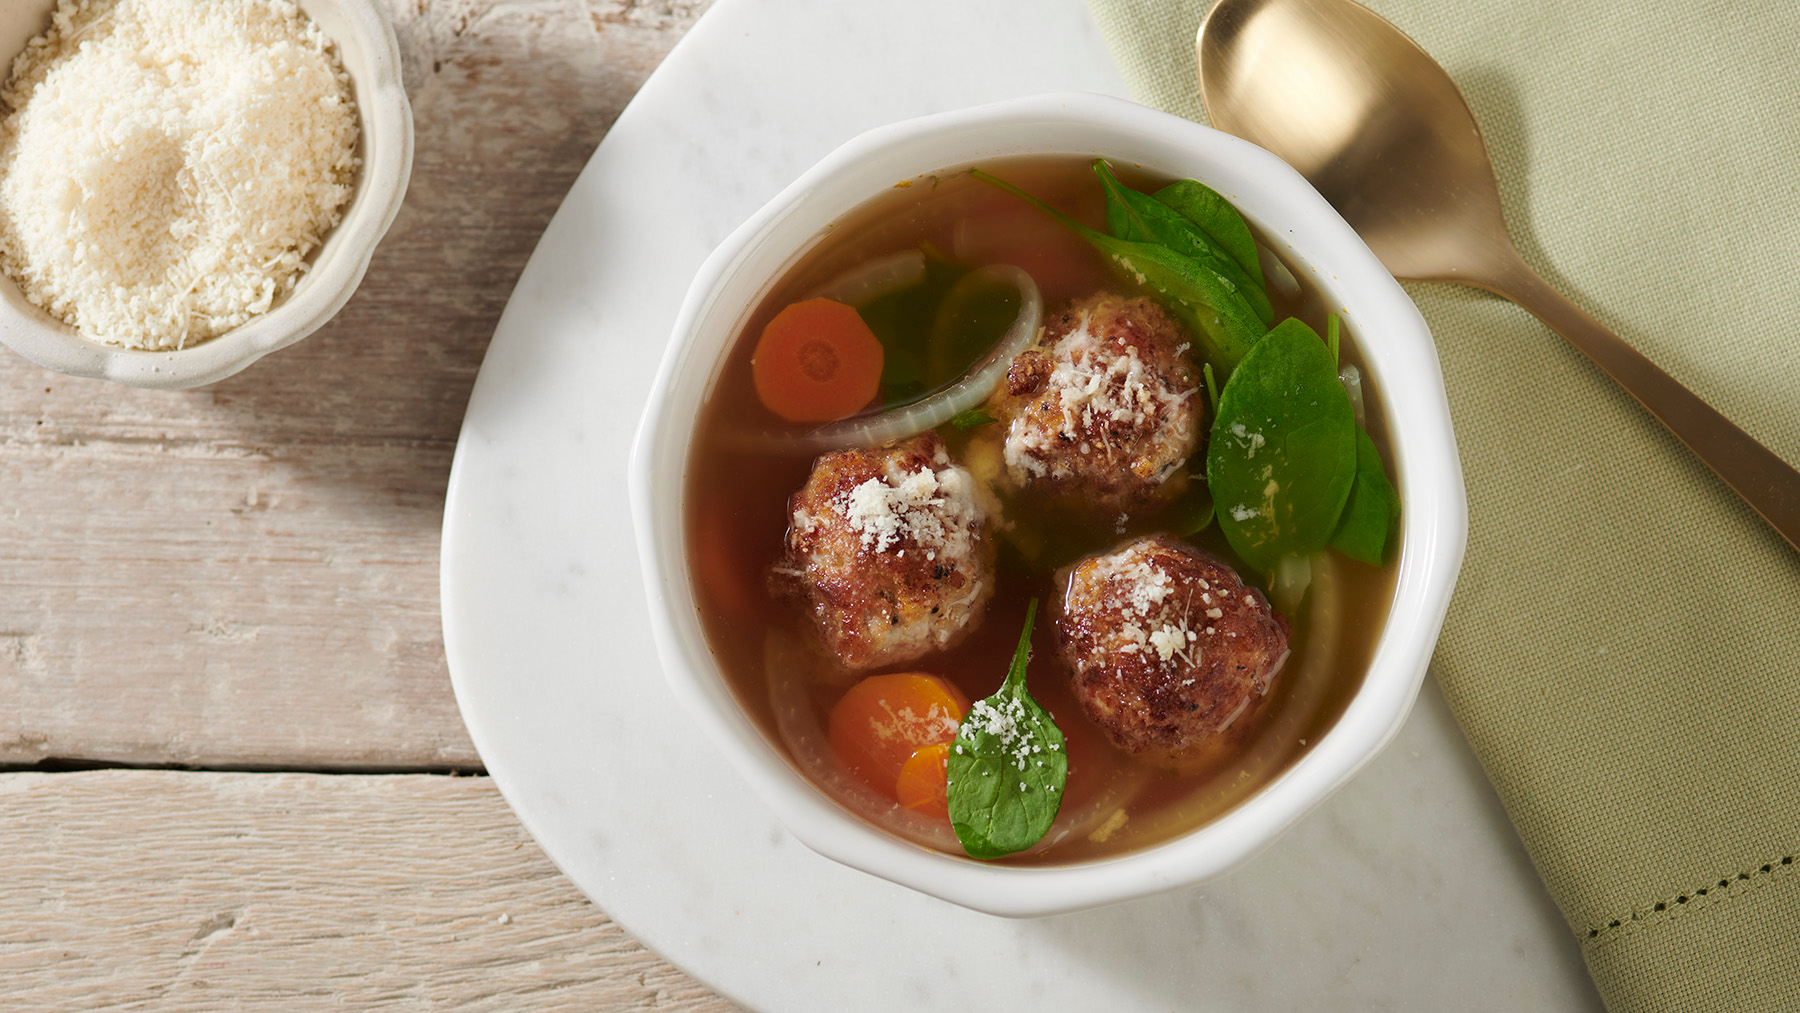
(232, 773)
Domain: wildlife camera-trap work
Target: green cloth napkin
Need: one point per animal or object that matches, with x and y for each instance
(1623, 651)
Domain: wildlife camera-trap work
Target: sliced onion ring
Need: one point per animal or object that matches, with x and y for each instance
(789, 670)
(868, 282)
(1122, 788)
(942, 405)
(1276, 271)
(1351, 378)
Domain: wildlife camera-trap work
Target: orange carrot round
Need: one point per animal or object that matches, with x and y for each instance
(884, 719)
(924, 781)
(816, 362)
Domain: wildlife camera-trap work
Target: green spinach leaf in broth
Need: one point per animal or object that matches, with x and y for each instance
(969, 320)
(1224, 323)
(899, 321)
(1370, 511)
(1007, 766)
(1281, 456)
(1192, 511)
(1216, 217)
(972, 418)
(1225, 335)
(1140, 217)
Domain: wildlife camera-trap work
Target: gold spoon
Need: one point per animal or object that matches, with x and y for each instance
(1381, 131)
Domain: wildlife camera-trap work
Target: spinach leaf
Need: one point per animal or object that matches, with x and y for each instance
(970, 418)
(1282, 454)
(1142, 218)
(897, 320)
(1007, 766)
(1215, 216)
(1370, 511)
(1225, 324)
(1192, 511)
(968, 321)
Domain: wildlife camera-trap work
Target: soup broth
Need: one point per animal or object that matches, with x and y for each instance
(737, 512)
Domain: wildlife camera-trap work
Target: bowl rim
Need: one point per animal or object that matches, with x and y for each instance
(386, 138)
(1435, 520)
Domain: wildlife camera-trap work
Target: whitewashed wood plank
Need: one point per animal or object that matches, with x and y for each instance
(246, 575)
(165, 890)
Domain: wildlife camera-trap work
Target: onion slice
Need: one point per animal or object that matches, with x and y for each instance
(790, 672)
(1276, 272)
(868, 282)
(1083, 820)
(944, 404)
(1351, 378)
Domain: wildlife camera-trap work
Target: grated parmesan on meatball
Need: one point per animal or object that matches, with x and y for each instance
(1169, 650)
(1103, 410)
(888, 546)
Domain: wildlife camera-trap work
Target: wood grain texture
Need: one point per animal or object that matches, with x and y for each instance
(246, 575)
(299, 892)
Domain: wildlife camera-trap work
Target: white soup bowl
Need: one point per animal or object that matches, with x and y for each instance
(1392, 336)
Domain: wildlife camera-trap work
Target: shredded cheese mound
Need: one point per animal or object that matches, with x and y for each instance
(1156, 622)
(934, 510)
(1007, 722)
(1097, 383)
(166, 166)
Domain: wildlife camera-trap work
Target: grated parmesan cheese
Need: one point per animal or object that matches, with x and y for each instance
(1095, 384)
(166, 166)
(935, 510)
(1154, 620)
(1006, 721)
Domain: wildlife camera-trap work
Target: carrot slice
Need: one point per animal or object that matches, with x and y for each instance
(924, 784)
(884, 719)
(816, 362)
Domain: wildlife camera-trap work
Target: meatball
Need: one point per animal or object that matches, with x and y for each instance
(888, 546)
(1103, 410)
(1169, 650)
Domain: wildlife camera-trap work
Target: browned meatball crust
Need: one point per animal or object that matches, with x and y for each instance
(1102, 411)
(1169, 650)
(889, 548)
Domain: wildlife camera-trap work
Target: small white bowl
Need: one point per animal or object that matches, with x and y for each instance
(371, 56)
(1390, 332)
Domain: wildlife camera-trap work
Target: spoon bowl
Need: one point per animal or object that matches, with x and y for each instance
(1386, 138)
(1381, 131)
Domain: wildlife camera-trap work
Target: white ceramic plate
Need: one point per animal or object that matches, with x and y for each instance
(1405, 890)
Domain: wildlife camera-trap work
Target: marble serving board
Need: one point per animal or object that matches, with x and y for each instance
(1406, 890)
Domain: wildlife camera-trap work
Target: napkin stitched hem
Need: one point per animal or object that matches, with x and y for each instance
(1726, 890)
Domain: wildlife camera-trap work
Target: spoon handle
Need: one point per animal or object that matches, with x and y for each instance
(1769, 484)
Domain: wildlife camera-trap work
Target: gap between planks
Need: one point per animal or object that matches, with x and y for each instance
(245, 575)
